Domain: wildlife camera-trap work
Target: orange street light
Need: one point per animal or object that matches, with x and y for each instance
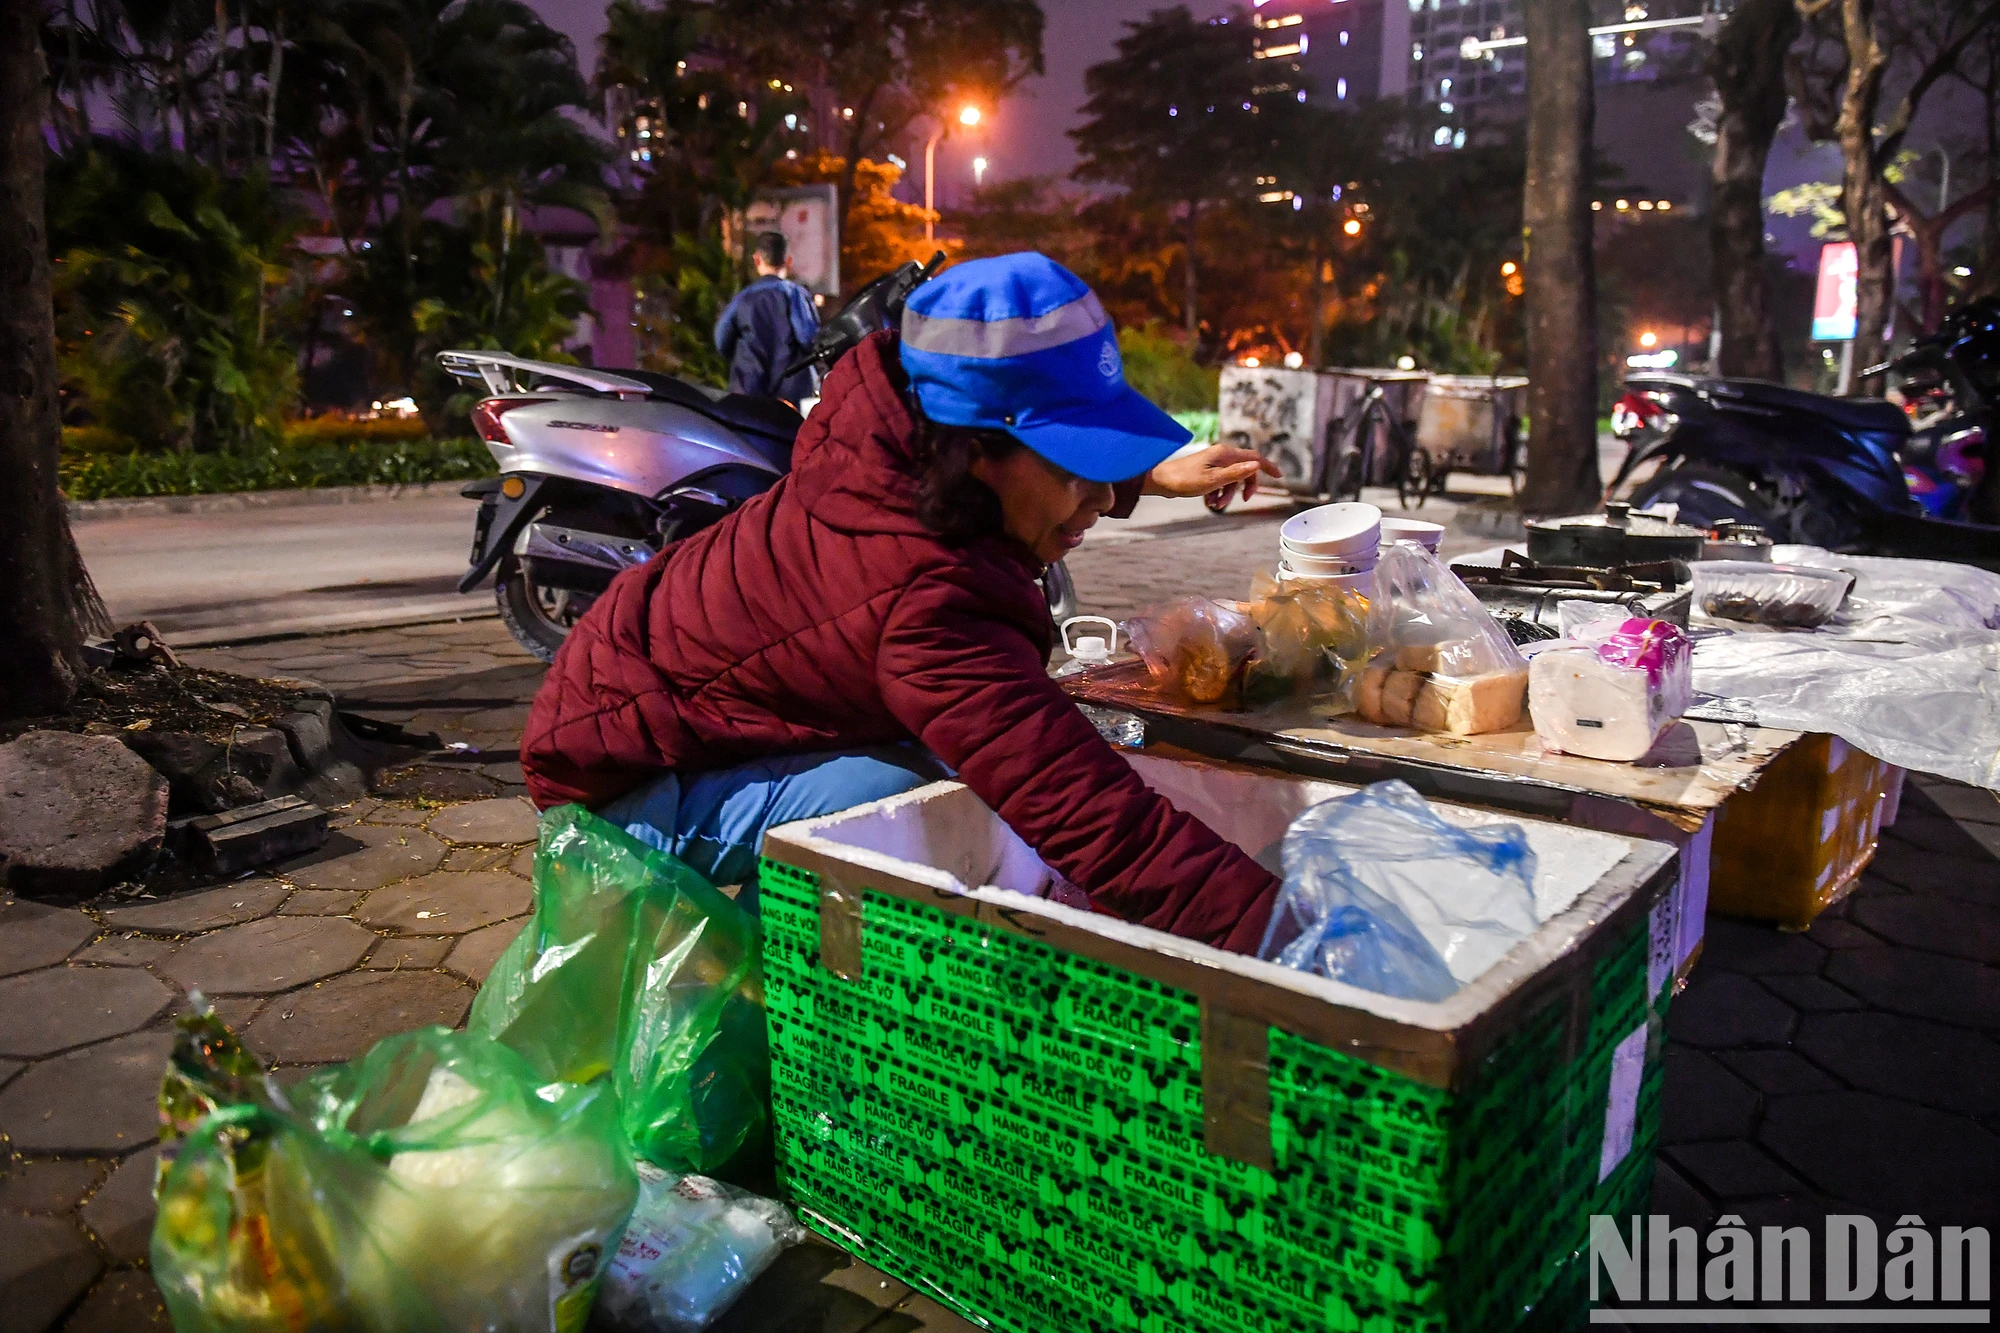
(1509, 268)
(968, 116)
(1649, 339)
(1352, 226)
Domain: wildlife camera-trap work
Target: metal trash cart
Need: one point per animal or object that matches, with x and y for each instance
(1329, 432)
(1471, 423)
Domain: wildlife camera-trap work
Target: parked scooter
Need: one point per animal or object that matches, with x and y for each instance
(600, 469)
(1864, 475)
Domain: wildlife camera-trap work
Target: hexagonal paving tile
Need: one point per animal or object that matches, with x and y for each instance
(321, 902)
(124, 951)
(434, 783)
(366, 856)
(1732, 1169)
(121, 1212)
(345, 1016)
(1928, 985)
(1886, 1155)
(507, 820)
(1939, 925)
(270, 955)
(45, 1263)
(60, 1007)
(1725, 1009)
(245, 900)
(1961, 802)
(124, 1302)
(1945, 1067)
(476, 954)
(406, 816)
(448, 903)
(45, 1187)
(1760, 950)
(101, 1099)
(414, 955)
(33, 935)
(1702, 1099)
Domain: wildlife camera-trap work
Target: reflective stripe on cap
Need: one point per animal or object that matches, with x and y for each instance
(991, 340)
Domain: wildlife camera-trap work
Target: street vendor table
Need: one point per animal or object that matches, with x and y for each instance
(1770, 823)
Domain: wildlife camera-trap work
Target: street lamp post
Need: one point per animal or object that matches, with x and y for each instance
(968, 117)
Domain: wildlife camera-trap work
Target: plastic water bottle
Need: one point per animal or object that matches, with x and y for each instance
(1090, 650)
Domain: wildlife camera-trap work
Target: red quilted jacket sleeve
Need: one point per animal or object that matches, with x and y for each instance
(957, 666)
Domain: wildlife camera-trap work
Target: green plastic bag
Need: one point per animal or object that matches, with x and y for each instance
(434, 1183)
(635, 965)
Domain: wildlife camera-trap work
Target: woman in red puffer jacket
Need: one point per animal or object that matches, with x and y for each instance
(873, 622)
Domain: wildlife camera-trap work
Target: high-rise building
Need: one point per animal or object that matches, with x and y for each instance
(1461, 66)
(1333, 50)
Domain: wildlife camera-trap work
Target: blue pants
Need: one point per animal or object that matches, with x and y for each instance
(715, 821)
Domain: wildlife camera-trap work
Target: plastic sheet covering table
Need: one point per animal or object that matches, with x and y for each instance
(1908, 671)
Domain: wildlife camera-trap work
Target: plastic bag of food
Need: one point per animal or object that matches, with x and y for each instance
(1311, 640)
(692, 1247)
(1195, 648)
(1439, 662)
(636, 966)
(1381, 893)
(1612, 690)
(434, 1183)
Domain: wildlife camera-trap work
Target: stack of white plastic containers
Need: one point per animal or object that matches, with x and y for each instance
(1339, 543)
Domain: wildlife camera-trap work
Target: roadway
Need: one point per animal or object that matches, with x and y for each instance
(241, 575)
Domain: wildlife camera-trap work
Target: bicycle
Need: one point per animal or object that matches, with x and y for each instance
(1412, 472)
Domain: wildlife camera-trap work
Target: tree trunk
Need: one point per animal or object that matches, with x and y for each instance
(1561, 269)
(1749, 76)
(46, 601)
(276, 73)
(1861, 197)
(1189, 278)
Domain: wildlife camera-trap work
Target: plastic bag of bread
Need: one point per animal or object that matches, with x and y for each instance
(1195, 648)
(1311, 640)
(1613, 689)
(1438, 661)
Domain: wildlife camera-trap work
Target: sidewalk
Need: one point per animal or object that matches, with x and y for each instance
(1852, 1068)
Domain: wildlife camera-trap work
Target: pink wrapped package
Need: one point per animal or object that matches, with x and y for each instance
(1612, 688)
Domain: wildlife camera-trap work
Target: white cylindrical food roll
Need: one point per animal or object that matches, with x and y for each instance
(1585, 706)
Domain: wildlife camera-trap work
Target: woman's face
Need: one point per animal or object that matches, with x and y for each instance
(1046, 509)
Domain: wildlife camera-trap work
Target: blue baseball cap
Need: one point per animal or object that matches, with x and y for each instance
(1018, 343)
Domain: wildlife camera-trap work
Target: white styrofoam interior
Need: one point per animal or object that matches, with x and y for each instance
(944, 836)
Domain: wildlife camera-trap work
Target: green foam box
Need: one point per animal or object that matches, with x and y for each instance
(1051, 1119)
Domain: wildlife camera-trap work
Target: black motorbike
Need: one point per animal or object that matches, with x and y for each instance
(1848, 474)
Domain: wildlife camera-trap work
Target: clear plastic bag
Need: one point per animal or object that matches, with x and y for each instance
(436, 1182)
(637, 966)
(693, 1246)
(1311, 641)
(1195, 648)
(1438, 660)
(1381, 893)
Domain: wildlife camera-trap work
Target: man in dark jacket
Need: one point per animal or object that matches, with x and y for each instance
(766, 327)
(827, 644)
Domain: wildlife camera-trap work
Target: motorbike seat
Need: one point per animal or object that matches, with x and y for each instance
(760, 416)
(1871, 416)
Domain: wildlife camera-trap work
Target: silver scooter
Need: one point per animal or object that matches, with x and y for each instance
(600, 469)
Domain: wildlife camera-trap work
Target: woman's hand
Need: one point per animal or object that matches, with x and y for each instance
(1220, 467)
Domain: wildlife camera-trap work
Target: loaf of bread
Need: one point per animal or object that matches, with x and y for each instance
(1369, 700)
(1399, 697)
(1471, 706)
